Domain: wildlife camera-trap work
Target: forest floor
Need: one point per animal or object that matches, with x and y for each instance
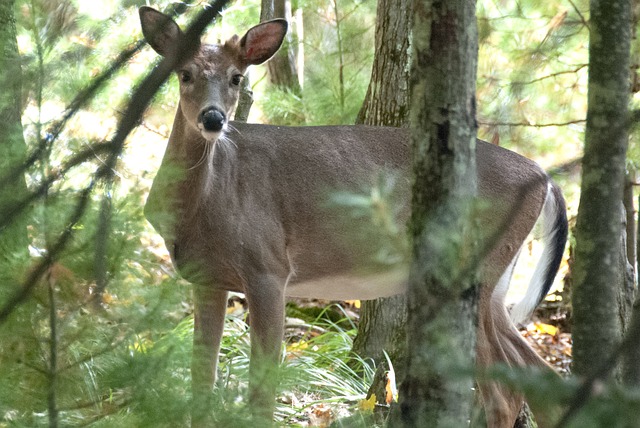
(548, 333)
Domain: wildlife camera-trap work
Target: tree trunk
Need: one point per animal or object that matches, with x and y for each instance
(387, 99)
(624, 278)
(631, 352)
(442, 301)
(598, 232)
(13, 239)
(630, 220)
(382, 324)
(282, 67)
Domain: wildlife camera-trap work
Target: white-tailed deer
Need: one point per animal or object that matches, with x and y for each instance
(243, 207)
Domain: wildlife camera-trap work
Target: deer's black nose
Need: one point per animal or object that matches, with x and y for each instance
(212, 119)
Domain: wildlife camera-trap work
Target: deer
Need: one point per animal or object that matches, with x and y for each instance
(243, 208)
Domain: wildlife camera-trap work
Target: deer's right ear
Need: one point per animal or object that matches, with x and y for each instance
(160, 31)
(262, 41)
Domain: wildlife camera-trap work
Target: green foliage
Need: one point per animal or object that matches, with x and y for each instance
(532, 71)
(375, 220)
(341, 33)
(608, 404)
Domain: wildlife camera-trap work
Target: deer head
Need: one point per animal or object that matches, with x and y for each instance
(210, 81)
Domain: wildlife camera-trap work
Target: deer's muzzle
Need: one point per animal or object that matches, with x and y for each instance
(212, 119)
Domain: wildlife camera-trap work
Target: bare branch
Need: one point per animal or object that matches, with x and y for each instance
(582, 18)
(139, 101)
(534, 125)
(549, 76)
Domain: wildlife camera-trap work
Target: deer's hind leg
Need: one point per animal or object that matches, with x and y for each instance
(499, 343)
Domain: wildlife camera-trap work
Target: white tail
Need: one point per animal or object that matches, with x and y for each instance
(244, 208)
(553, 232)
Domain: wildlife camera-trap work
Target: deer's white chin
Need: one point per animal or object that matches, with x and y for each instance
(210, 136)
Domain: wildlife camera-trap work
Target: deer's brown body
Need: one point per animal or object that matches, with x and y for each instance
(246, 208)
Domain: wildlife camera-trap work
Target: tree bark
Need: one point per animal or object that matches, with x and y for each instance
(631, 353)
(598, 232)
(624, 279)
(630, 221)
(13, 239)
(442, 300)
(382, 324)
(245, 101)
(282, 67)
(387, 99)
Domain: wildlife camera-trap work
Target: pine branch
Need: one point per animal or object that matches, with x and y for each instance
(139, 101)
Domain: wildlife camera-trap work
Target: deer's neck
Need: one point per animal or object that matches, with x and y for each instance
(191, 177)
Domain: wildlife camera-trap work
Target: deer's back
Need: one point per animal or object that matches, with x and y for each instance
(319, 205)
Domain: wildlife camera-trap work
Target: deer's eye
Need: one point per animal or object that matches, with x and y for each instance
(236, 79)
(185, 76)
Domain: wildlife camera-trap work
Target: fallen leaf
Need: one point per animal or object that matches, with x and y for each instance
(368, 404)
(354, 303)
(543, 328)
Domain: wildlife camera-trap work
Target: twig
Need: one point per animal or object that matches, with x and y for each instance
(23, 293)
(586, 389)
(85, 95)
(139, 101)
(584, 21)
(534, 125)
(550, 76)
(9, 214)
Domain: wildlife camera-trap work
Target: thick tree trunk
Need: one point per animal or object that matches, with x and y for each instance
(283, 66)
(442, 305)
(383, 321)
(596, 319)
(13, 239)
(387, 99)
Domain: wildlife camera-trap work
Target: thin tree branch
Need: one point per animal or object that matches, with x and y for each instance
(12, 212)
(86, 95)
(534, 125)
(138, 104)
(549, 76)
(23, 292)
(52, 375)
(139, 101)
(80, 100)
(582, 18)
(585, 391)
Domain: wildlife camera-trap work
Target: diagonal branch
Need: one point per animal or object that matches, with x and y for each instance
(534, 125)
(139, 102)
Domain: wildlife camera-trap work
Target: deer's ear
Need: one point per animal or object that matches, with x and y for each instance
(160, 31)
(262, 41)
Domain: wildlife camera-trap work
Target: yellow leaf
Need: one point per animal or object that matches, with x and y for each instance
(235, 309)
(297, 346)
(355, 303)
(367, 405)
(546, 329)
(390, 388)
(107, 298)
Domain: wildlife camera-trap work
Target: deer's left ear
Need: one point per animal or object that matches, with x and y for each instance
(160, 31)
(262, 41)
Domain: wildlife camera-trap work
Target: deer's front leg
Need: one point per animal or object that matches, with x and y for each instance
(210, 307)
(266, 313)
